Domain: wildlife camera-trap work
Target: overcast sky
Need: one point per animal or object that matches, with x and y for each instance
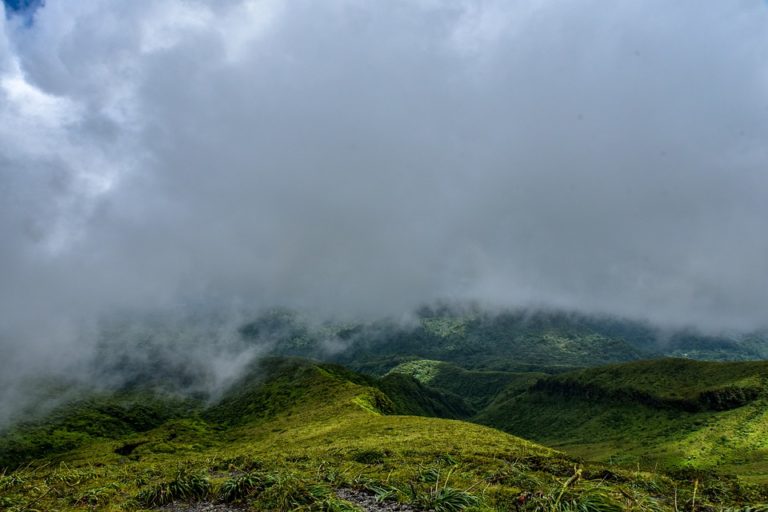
(358, 157)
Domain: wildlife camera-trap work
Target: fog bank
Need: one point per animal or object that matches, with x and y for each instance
(357, 159)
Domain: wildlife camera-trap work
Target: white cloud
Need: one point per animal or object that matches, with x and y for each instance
(359, 158)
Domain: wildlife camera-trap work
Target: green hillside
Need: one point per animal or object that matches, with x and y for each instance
(91, 417)
(672, 413)
(298, 435)
(477, 387)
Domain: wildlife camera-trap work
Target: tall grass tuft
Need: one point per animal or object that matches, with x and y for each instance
(244, 486)
(444, 499)
(186, 486)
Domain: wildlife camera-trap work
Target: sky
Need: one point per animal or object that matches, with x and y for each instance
(357, 159)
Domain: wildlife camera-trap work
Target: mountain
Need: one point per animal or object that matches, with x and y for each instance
(509, 341)
(293, 434)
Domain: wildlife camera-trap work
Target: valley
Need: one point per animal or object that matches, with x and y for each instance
(500, 433)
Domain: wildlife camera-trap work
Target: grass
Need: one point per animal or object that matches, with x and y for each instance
(658, 414)
(276, 448)
(185, 486)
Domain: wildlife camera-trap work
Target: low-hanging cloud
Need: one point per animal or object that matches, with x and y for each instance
(350, 157)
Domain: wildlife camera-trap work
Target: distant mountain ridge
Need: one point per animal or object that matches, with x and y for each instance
(514, 340)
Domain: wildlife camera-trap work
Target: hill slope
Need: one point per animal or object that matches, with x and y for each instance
(297, 435)
(477, 387)
(674, 413)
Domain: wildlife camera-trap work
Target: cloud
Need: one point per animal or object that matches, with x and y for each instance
(359, 158)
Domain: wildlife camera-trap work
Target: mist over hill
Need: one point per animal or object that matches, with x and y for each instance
(358, 160)
(199, 353)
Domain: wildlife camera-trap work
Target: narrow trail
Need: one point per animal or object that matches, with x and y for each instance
(202, 506)
(362, 499)
(368, 502)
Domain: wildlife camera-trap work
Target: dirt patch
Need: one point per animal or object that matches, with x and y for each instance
(368, 502)
(362, 499)
(202, 506)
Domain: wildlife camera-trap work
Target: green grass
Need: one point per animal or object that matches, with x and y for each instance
(671, 414)
(293, 432)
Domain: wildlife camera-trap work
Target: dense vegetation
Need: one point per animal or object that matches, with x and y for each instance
(510, 341)
(294, 434)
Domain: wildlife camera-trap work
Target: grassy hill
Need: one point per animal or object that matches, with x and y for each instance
(299, 435)
(671, 413)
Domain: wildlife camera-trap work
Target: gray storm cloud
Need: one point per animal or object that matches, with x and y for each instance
(359, 158)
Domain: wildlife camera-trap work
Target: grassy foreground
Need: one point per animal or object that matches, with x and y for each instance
(292, 433)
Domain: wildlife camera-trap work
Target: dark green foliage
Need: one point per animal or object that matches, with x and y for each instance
(370, 456)
(104, 416)
(409, 396)
(477, 387)
(506, 341)
(128, 448)
(280, 324)
(668, 383)
(510, 341)
(728, 397)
